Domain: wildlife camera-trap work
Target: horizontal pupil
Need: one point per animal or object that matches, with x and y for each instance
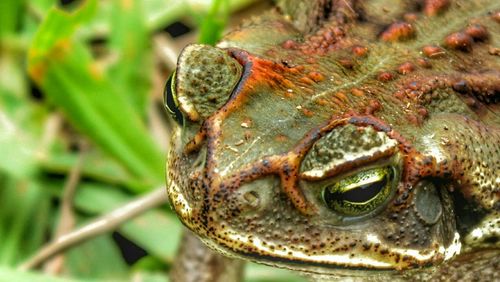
(362, 193)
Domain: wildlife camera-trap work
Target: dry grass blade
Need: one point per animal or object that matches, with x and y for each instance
(102, 224)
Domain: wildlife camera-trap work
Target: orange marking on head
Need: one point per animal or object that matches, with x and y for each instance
(398, 31)
(307, 113)
(316, 76)
(357, 92)
(342, 96)
(271, 73)
(321, 102)
(337, 101)
(359, 51)
(434, 7)
(281, 138)
(385, 76)
(406, 68)
(459, 41)
(432, 51)
(306, 80)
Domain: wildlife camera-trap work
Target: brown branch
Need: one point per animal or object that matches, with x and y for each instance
(67, 220)
(102, 224)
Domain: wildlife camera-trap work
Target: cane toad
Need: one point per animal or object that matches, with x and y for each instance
(342, 136)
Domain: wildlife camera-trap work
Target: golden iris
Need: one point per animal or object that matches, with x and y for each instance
(360, 193)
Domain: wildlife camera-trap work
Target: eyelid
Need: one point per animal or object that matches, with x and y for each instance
(372, 179)
(344, 166)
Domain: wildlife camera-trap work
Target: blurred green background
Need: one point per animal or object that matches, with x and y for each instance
(83, 130)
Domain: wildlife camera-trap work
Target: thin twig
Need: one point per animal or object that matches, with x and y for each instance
(67, 220)
(102, 224)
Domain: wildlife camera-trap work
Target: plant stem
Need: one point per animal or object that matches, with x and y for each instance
(100, 225)
(67, 220)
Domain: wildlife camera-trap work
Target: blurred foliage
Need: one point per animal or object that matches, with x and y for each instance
(80, 75)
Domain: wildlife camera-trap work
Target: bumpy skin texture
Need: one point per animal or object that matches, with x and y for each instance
(418, 81)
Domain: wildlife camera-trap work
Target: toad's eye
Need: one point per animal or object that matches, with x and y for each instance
(360, 193)
(170, 100)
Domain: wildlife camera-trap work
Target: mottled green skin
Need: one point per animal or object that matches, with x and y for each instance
(240, 178)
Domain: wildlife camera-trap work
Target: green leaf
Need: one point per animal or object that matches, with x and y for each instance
(92, 102)
(157, 13)
(12, 79)
(97, 258)
(10, 12)
(149, 263)
(213, 22)
(18, 118)
(40, 7)
(40, 222)
(16, 149)
(9, 274)
(96, 166)
(129, 42)
(21, 202)
(150, 276)
(157, 16)
(156, 231)
(261, 273)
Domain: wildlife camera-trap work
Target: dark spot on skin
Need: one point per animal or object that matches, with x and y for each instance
(311, 60)
(410, 17)
(424, 63)
(435, 7)
(307, 112)
(373, 107)
(385, 76)
(357, 92)
(406, 68)
(496, 16)
(359, 50)
(366, 246)
(398, 31)
(290, 44)
(316, 76)
(423, 112)
(346, 63)
(459, 41)
(494, 51)
(432, 51)
(477, 32)
(461, 86)
(491, 240)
